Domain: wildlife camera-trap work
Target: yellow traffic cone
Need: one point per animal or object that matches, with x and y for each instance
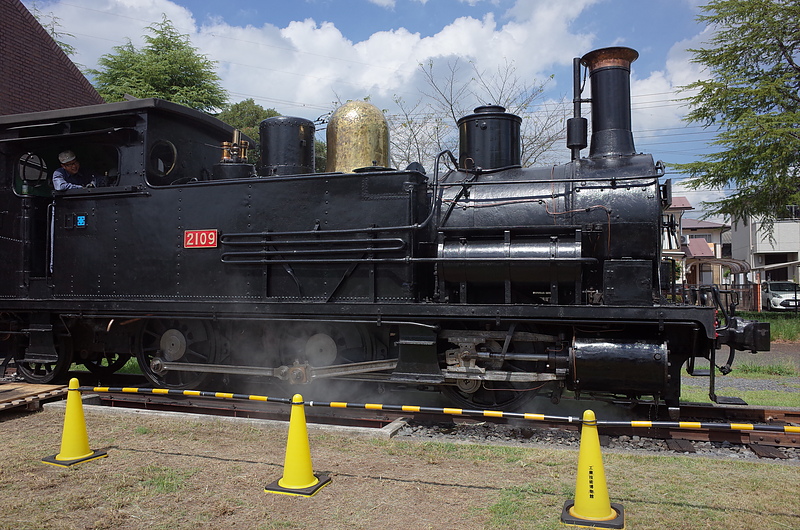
(74, 440)
(591, 507)
(298, 476)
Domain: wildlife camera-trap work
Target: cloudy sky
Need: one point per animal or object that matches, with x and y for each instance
(300, 56)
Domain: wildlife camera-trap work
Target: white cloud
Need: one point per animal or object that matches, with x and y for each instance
(310, 63)
(659, 106)
(302, 68)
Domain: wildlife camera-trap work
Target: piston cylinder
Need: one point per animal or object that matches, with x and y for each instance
(624, 367)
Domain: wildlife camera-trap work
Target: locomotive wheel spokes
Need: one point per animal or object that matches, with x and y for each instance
(44, 373)
(176, 340)
(108, 364)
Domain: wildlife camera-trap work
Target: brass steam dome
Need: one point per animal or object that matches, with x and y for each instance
(358, 137)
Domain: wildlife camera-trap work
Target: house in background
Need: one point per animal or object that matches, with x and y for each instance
(37, 74)
(775, 259)
(702, 248)
(702, 244)
(671, 238)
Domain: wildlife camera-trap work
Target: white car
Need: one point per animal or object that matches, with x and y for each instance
(779, 295)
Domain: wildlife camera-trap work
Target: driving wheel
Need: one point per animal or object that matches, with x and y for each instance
(108, 364)
(180, 341)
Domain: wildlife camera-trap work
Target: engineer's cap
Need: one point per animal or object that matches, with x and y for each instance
(66, 157)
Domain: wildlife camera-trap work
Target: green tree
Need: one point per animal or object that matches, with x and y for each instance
(246, 116)
(52, 25)
(320, 156)
(167, 67)
(753, 99)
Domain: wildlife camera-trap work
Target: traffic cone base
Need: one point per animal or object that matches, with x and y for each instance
(321, 482)
(568, 519)
(54, 461)
(74, 440)
(298, 476)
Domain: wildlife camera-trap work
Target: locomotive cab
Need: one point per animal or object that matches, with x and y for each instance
(71, 243)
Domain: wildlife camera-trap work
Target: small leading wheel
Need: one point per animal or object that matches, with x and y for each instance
(108, 364)
(176, 340)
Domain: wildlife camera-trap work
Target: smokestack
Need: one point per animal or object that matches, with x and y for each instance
(609, 71)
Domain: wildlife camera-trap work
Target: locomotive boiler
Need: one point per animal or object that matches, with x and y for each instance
(488, 281)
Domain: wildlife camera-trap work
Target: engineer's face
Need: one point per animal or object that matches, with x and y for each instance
(72, 167)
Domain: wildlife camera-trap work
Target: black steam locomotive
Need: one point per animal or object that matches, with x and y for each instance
(491, 282)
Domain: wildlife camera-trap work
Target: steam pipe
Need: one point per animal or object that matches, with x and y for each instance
(576, 126)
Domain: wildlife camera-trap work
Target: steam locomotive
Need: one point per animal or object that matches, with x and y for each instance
(487, 281)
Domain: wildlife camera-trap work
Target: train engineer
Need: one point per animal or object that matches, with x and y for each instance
(69, 175)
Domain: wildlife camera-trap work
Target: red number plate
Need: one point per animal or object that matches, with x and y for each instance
(199, 239)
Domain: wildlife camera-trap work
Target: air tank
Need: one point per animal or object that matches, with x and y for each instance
(358, 137)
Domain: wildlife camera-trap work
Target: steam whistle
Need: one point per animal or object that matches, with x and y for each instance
(235, 151)
(233, 164)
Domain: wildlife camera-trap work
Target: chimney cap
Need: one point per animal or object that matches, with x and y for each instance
(618, 56)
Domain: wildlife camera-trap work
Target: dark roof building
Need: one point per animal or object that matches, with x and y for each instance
(37, 74)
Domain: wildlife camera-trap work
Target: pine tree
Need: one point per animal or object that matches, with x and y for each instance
(753, 99)
(167, 67)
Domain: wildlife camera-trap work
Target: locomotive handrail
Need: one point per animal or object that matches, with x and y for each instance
(398, 244)
(553, 180)
(438, 195)
(307, 252)
(114, 192)
(365, 229)
(406, 259)
(225, 237)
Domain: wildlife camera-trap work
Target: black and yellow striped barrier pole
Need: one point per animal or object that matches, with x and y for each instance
(703, 425)
(788, 429)
(174, 392)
